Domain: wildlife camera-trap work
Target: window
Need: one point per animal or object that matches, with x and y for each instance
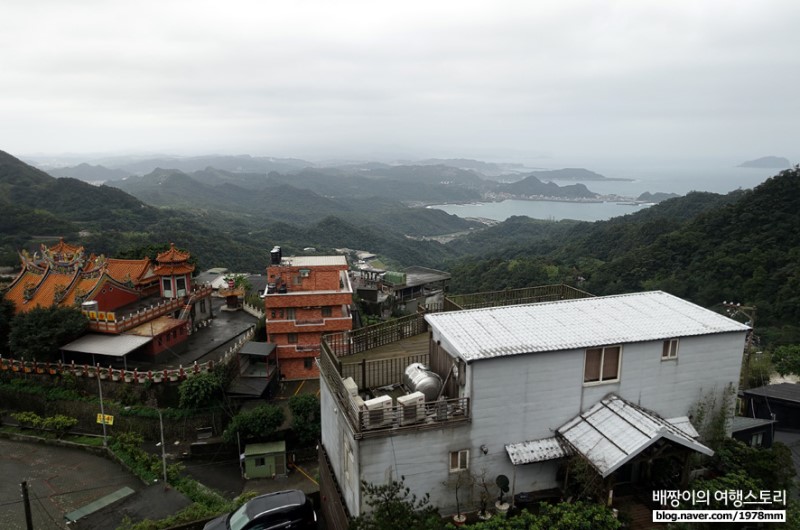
(327, 312)
(290, 314)
(203, 306)
(601, 365)
(180, 286)
(757, 439)
(304, 273)
(297, 280)
(308, 362)
(260, 461)
(291, 338)
(459, 460)
(670, 350)
(166, 285)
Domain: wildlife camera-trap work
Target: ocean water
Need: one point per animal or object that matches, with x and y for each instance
(667, 179)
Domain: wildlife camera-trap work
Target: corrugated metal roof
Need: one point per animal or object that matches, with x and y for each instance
(614, 431)
(567, 324)
(311, 261)
(537, 451)
(783, 391)
(113, 345)
(685, 425)
(742, 423)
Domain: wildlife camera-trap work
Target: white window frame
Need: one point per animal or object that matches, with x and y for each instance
(670, 347)
(461, 458)
(602, 381)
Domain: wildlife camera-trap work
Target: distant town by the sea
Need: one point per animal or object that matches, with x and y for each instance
(667, 180)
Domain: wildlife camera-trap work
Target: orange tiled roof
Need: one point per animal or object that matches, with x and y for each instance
(16, 292)
(62, 248)
(170, 269)
(173, 255)
(83, 286)
(123, 269)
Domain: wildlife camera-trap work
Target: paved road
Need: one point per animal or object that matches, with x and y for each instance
(59, 480)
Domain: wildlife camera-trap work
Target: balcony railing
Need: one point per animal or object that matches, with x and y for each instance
(528, 295)
(372, 374)
(359, 340)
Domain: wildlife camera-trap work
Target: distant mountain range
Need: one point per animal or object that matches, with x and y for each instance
(88, 173)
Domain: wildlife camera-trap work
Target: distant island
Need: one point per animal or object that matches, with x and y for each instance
(768, 162)
(573, 173)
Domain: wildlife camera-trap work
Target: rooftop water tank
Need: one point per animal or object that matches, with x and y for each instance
(420, 378)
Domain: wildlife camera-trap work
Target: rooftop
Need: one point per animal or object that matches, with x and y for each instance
(579, 323)
(314, 261)
(782, 391)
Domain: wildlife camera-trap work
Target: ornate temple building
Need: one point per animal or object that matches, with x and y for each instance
(136, 298)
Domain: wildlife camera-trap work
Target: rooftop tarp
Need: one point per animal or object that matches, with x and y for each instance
(111, 345)
(614, 431)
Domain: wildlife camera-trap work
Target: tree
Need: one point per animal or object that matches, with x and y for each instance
(394, 507)
(786, 359)
(306, 421)
(199, 390)
(259, 422)
(39, 333)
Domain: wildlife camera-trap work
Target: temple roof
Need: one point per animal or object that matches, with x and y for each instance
(123, 270)
(173, 255)
(172, 262)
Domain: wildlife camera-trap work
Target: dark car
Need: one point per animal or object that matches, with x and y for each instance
(282, 510)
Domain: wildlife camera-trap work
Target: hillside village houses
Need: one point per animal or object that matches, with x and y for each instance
(515, 390)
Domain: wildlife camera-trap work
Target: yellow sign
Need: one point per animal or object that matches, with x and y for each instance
(109, 419)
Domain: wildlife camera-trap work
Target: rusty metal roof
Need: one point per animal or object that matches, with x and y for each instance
(534, 451)
(570, 324)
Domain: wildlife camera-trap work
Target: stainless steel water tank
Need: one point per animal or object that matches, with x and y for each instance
(419, 378)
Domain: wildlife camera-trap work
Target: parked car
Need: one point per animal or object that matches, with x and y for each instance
(282, 510)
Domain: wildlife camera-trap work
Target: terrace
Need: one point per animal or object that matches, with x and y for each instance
(370, 363)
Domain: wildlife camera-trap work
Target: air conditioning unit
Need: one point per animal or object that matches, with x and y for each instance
(378, 413)
(350, 386)
(411, 408)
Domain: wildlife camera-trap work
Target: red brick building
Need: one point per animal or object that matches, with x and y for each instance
(307, 296)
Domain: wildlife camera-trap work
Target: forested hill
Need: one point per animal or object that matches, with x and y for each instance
(40, 208)
(744, 246)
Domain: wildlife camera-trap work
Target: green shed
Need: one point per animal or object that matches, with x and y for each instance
(265, 460)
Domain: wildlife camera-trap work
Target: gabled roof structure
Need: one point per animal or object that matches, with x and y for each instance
(614, 431)
(608, 435)
(477, 334)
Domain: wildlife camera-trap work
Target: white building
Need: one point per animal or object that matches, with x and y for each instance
(524, 386)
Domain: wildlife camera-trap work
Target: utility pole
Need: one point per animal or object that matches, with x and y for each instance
(102, 410)
(163, 449)
(749, 311)
(27, 502)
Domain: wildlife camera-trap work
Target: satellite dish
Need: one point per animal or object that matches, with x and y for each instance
(502, 483)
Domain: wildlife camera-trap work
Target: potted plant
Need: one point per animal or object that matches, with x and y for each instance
(485, 495)
(457, 482)
(501, 506)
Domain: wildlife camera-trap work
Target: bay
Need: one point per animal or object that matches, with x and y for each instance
(549, 210)
(680, 179)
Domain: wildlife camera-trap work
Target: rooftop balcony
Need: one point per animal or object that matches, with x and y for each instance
(376, 357)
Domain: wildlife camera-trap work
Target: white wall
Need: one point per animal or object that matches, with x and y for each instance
(527, 397)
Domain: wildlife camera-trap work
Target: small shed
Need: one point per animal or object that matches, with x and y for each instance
(265, 460)
(779, 402)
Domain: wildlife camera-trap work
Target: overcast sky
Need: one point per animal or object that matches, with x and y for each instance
(493, 80)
